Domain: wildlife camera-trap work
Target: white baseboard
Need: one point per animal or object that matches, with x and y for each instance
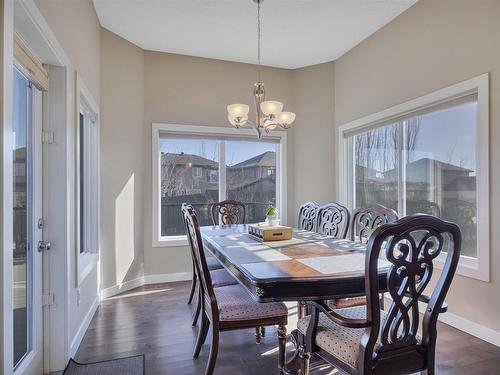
(75, 343)
(472, 328)
(167, 278)
(123, 287)
(145, 280)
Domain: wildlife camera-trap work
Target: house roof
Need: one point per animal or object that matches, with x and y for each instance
(266, 159)
(194, 160)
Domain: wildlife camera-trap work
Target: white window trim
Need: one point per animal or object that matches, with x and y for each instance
(475, 268)
(157, 128)
(87, 260)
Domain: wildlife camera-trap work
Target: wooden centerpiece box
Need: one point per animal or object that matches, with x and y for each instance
(264, 232)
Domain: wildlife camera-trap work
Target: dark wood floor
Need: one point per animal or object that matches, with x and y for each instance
(155, 320)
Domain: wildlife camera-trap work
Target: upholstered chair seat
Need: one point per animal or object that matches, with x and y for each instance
(339, 341)
(222, 278)
(235, 303)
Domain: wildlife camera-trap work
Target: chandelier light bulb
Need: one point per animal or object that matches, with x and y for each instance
(271, 107)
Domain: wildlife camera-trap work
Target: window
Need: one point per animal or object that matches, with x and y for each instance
(234, 165)
(426, 160)
(87, 172)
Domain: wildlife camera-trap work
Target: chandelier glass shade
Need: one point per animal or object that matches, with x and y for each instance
(268, 113)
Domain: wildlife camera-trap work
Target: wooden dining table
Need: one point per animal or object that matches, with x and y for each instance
(310, 266)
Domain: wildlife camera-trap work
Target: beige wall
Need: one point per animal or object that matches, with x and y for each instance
(123, 152)
(313, 89)
(195, 91)
(76, 27)
(433, 45)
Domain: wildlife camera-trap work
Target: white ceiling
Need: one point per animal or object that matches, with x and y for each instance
(295, 33)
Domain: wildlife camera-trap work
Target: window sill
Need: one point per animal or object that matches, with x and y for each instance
(86, 263)
(171, 241)
(468, 267)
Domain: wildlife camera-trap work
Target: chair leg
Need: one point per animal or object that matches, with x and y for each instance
(281, 347)
(196, 313)
(304, 357)
(258, 335)
(214, 349)
(193, 287)
(263, 331)
(202, 335)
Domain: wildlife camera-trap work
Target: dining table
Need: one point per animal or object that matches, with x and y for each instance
(308, 267)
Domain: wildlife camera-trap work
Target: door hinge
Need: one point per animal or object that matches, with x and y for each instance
(47, 137)
(47, 299)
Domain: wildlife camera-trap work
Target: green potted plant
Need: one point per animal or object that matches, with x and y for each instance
(272, 216)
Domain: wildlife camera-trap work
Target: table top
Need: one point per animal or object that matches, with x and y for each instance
(309, 266)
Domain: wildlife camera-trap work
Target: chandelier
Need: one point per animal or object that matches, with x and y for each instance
(268, 113)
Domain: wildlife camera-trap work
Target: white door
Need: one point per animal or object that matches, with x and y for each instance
(27, 207)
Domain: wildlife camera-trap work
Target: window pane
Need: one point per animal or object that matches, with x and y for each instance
(441, 168)
(189, 173)
(22, 214)
(251, 176)
(376, 167)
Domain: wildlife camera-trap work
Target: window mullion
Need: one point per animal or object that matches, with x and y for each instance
(222, 170)
(402, 153)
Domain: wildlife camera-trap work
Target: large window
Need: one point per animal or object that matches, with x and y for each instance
(427, 160)
(202, 168)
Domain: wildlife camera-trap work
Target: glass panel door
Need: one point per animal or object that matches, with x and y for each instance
(27, 209)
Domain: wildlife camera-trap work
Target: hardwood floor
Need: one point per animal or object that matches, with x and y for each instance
(155, 320)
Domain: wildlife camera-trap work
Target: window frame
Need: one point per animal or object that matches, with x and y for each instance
(477, 268)
(197, 130)
(85, 104)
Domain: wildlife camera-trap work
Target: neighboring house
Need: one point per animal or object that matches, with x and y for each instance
(187, 174)
(251, 170)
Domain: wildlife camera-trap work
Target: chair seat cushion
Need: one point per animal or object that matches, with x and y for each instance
(213, 264)
(222, 278)
(341, 342)
(340, 303)
(235, 303)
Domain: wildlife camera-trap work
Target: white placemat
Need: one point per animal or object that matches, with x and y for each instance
(339, 263)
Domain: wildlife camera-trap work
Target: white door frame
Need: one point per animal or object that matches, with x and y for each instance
(57, 118)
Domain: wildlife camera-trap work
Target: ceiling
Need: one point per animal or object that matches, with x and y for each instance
(295, 33)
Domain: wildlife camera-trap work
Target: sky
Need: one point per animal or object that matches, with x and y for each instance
(236, 151)
(447, 135)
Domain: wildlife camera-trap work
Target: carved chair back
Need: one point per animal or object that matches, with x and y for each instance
(308, 213)
(366, 219)
(411, 246)
(333, 220)
(229, 212)
(200, 261)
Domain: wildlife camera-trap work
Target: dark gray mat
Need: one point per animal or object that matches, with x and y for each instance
(123, 366)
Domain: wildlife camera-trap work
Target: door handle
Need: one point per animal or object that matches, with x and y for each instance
(44, 246)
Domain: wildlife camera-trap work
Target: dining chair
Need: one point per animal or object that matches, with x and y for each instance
(307, 216)
(368, 340)
(228, 212)
(363, 222)
(229, 307)
(220, 277)
(333, 220)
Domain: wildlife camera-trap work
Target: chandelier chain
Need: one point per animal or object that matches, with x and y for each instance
(258, 36)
